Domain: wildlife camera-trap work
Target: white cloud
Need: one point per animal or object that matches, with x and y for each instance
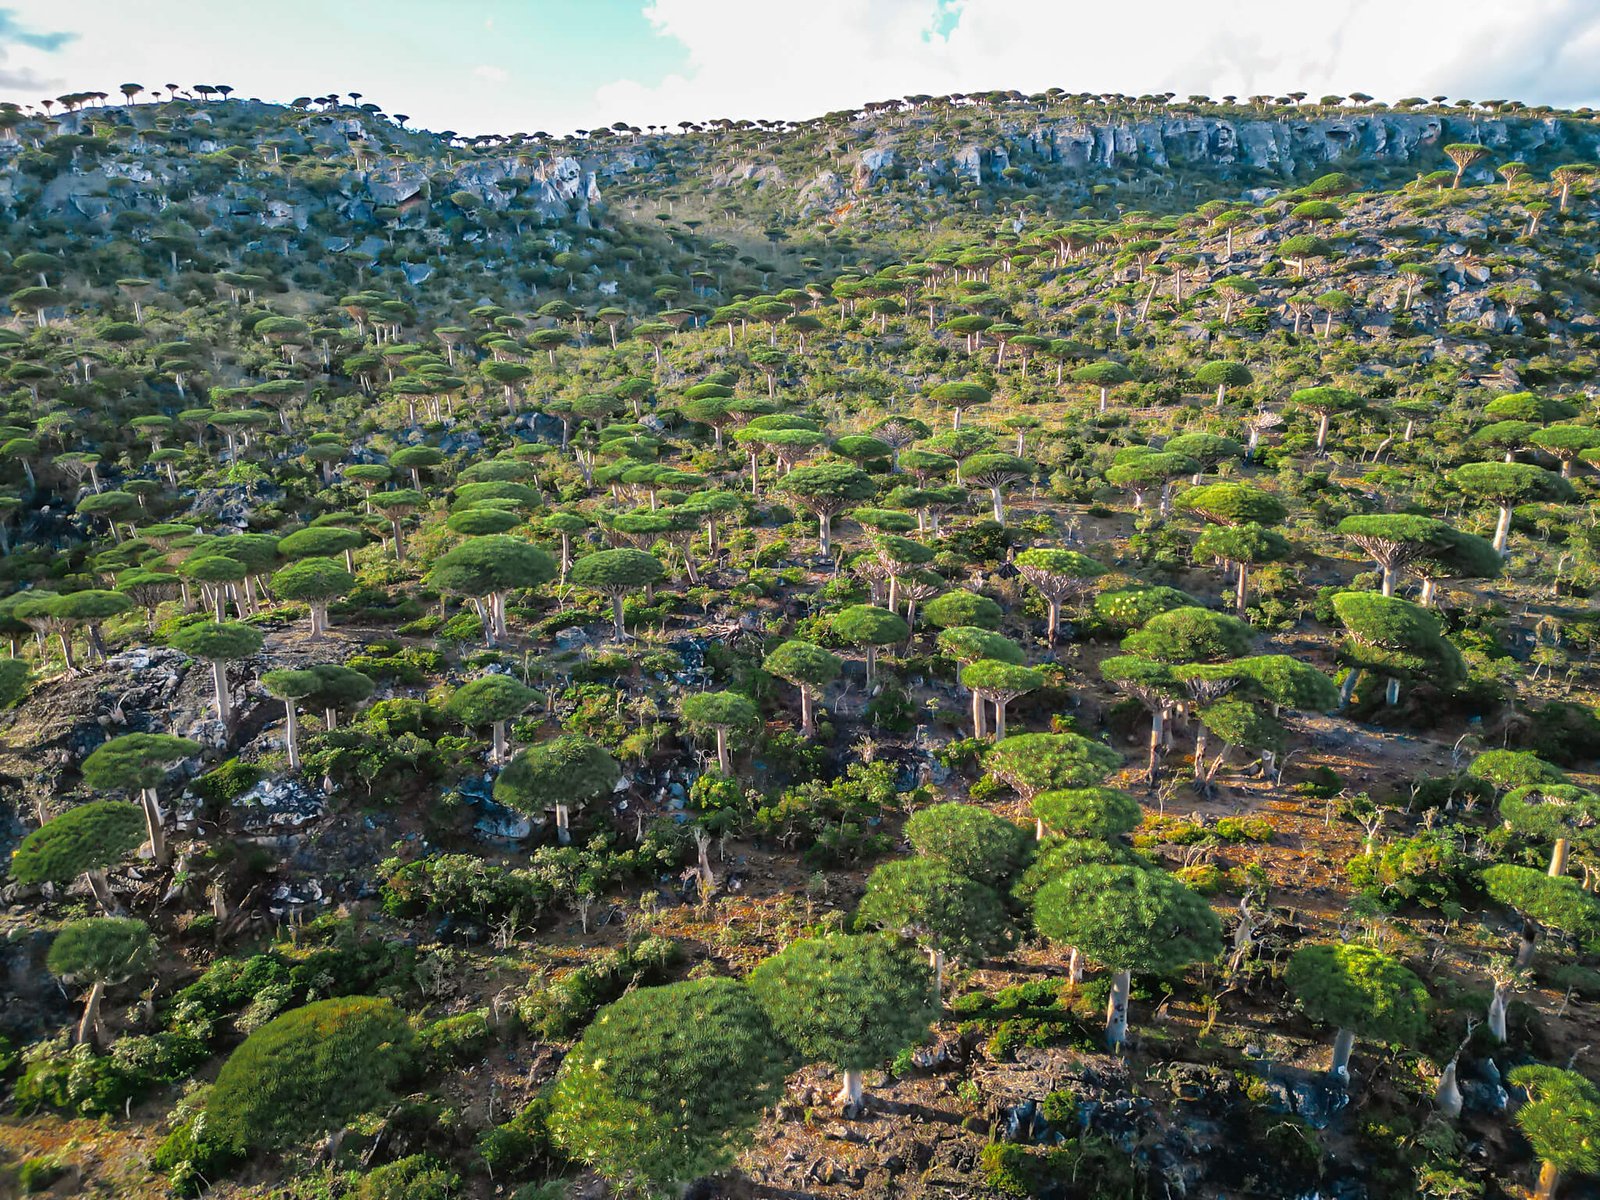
(795, 61)
(491, 74)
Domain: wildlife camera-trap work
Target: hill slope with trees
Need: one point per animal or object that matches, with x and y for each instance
(1033, 646)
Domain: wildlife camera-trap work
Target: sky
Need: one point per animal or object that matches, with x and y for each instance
(504, 66)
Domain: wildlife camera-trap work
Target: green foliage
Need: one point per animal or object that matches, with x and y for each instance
(1091, 812)
(973, 842)
(1128, 918)
(224, 784)
(90, 837)
(101, 950)
(1428, 869)
(415, 1177)
(666, 1082)
(1353, 986)
(1562, 1117)
(308, 1071)
(135, 760)
(926, 900)
(453, 1041)
(560, 1007)
(565, 770)
(1045, 762)
(849, 1001)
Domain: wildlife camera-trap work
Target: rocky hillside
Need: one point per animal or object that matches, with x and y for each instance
(1002, 648)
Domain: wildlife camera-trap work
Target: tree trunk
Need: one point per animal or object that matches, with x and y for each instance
(999, 719)
(1530, 941)
(292, 734)
(1117, 1010)
(1447, 1096)
(89, 1024)
(808, 727)
(724, 760)
(1348, 688)
(824, 532)
(1502, 528)
(936, 959)
(1074, 967)
(1498, 1003)
(1549, 1180)
(100, 886)
(1343, 1043)
(563, 828)
(219, 681)
(850, 1092)
(1322, 432)
(152, 820)
(1158, 732)
(1053, 620)
(1241, 589)
(977, 715)
(1558, 858)
(1391, 692)
(497, 752)
(616, 616)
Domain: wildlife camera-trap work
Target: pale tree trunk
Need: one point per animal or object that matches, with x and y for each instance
(1558, 858)
(1502, 529)
(724, 759)
(850, 1092)
(1498, 1002)
(152, 820)
(1530, 940)
(808, 727)
(89, 1024)
(219, 682)
(999, 719)
(100, 887)
(1117, 1009)
(563, 829)
(1549, 1181)
(1075, 967)
(1158, 735)
(977, 715)
(936, 960)
(1344, 1042)
(1447, 1096)
(497, 752)
(292, 734)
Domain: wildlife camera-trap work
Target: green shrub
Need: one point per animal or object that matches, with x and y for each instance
(1244, 829)
(560, 1008)
(77, 1080)
(462, 885)
(1060, 1109)
(35, 1175)
(310, 1070)
(1428, 869)
(518, 1146)
(225, 784)
(416, 1177)
(453, 1041)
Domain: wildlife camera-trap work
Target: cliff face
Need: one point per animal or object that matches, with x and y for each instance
(405, 169)
(1077, 154)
